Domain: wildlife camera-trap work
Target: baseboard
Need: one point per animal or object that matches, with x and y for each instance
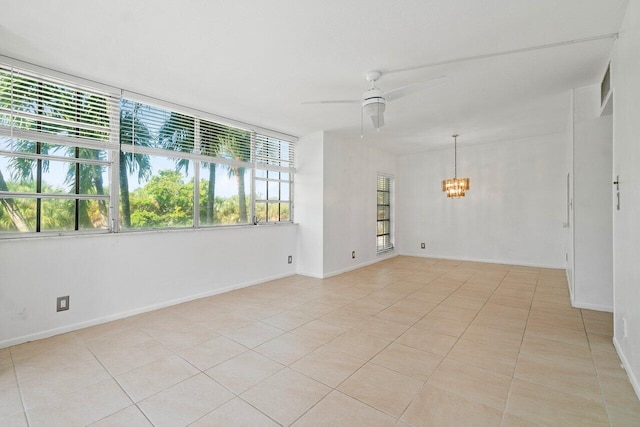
(627, 367)
(596, 307)
(488, 261)
(93, 322)
(379, 258)
(314, 275)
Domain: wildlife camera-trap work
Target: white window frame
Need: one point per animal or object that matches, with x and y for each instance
(113, 148)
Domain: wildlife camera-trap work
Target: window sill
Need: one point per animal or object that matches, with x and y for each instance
(63, 234)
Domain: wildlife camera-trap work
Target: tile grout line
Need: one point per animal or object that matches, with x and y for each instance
(365, 360)
(15, 375)
(134, 403)
(515, 366)
(452, 294)
(460, 337)
(604, 401)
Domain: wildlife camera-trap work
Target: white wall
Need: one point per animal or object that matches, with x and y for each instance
(350, 175)
(114, 275)
(308, 199)
(592, 217)
(570, 256)
(513, 213)
(625, 69)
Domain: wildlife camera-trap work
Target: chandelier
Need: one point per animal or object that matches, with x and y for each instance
(455, 187)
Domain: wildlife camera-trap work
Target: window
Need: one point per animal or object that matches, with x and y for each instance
(170, 160)
(77, 158)
(383, 236)
(273, 179)
(55, 154)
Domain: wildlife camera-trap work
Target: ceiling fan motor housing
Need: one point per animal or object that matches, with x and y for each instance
(373, 102)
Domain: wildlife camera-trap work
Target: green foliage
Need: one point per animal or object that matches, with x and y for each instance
(165, 201)
(47, 104)
(56, 214)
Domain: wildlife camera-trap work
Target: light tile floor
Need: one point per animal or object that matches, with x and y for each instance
(405, 342)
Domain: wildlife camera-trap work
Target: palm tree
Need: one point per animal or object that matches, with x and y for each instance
(12, 209)
(210, 146)
(132, 132)
(177, 134)
(61, 103)
(238, 148)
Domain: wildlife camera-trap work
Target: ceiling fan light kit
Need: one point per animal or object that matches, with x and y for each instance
(455, 187)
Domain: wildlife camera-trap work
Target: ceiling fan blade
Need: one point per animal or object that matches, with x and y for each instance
(339, 101)
(416, 87)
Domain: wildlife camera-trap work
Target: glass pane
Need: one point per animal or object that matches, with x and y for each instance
(285, 214)
(383, 242)
(383, 227)
(93, 215)
(17, 215)
(274, 175)
(220, 202)
(155, 192)
(94, 179)
(261, 211)
(273, 212)
(261, 173)
(86, 153)
(285, 176)
(18, 174)
(383, 212)
(383, 198)
(57, 215)
(18, 145)
(25, 146)
(261, 189)
(57, 177)
(285, 191)
(273, 190)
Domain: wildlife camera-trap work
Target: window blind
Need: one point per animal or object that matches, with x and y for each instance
(270, 152)
(383, 235)
(50, 110)
(144, 125)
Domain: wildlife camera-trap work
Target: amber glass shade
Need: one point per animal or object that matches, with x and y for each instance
(455, 187)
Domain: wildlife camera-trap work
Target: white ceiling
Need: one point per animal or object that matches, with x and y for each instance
(256, 61)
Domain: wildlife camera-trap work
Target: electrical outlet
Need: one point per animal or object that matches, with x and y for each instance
(423, 245)
(353, 254)
(290, 259)
(62, 303)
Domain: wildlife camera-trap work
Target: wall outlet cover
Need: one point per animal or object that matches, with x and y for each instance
(62, 303)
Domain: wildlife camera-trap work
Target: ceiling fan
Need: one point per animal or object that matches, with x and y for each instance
(374, 101)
